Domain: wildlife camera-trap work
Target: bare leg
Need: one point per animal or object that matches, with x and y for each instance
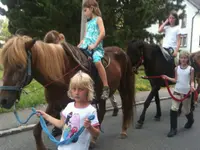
(102, 74)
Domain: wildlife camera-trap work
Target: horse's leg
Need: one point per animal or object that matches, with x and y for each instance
(158, 113)
(37, 130)
(146, 105)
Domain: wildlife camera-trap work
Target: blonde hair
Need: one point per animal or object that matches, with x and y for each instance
(82, 80)
(184, 54)
(94, 5)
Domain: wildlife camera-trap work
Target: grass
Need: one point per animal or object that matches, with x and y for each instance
(33, 94)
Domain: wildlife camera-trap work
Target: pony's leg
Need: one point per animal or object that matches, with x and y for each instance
(158, 113)
(37, 131)
(146, 105)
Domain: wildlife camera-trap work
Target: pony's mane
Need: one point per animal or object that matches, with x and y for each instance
(48, 58)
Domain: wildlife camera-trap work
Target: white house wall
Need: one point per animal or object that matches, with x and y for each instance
(190, 11)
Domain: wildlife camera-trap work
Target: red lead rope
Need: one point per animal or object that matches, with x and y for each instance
(169, 91)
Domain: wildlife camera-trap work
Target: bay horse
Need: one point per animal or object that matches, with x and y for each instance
(24, 58)
(155, 64)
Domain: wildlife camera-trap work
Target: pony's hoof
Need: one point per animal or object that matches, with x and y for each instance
(157, 118)
(138, 125)
(123, 136)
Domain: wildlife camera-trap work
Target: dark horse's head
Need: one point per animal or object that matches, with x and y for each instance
(135, 52)
(14, 58)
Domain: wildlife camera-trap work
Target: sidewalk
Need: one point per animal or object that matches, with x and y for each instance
(9, 124)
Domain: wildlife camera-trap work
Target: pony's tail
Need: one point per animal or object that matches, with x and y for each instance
(128, 92)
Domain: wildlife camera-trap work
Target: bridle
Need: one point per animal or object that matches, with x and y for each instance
(26, 80)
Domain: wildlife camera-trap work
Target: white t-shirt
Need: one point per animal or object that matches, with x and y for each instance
(183, 80)
(75, 120)
(170, 39)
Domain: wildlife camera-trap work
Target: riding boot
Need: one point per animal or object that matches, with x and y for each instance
(173, 123)
(190, 121)
(105, 93)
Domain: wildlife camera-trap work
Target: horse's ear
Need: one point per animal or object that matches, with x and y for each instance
(29, 44)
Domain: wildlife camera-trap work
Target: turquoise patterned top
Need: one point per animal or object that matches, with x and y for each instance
(92, 34)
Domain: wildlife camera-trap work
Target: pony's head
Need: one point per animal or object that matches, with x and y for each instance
(15, 76)
(135, 52)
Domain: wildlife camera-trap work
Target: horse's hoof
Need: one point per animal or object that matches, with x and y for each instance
(123, 136)
(139, 125)
(157, 118)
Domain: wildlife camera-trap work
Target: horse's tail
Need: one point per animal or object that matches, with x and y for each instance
(128, 91)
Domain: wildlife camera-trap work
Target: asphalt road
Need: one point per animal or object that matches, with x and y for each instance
(151, 137)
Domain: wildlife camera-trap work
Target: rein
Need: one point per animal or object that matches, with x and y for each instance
(66, 141)
(169, 91)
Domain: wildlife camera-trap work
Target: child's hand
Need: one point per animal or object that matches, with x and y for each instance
(175, 53)
(87, 123)
(164, 77)
(166, 21)
(192, 89)
(92, 46)
(40, 113)
(79, 45)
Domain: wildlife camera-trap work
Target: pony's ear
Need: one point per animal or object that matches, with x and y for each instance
(29, 44)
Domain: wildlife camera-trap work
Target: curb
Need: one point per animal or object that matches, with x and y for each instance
(31, 126)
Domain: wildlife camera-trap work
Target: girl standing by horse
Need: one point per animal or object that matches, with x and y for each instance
(184, 79)
(94, 34)
(76, 113)
(170, 27)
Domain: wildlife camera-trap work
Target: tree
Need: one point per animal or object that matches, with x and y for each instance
(123, 19)
(35, 18)
(4, 33)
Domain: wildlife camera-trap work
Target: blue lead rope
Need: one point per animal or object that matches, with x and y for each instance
(45, 129)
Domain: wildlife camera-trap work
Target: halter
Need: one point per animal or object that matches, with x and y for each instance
(139, 63)
(27, 78)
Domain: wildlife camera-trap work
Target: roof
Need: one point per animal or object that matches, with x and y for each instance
(196, 3)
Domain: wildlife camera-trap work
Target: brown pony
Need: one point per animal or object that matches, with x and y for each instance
(24, 58)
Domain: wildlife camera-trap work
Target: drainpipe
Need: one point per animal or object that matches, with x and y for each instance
(192, 29)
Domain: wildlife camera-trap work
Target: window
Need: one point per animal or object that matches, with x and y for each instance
(184, 40)
(184, 21)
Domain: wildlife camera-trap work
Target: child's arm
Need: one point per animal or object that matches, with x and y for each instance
(52, 120)
(192, 80)
(161, 28)
(83, 37)
(94, 130)
(101, 34)
(178, 45)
